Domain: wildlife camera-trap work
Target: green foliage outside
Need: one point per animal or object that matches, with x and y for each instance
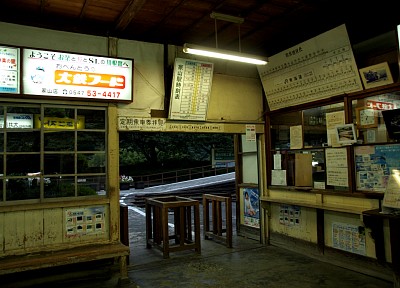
(144, 153)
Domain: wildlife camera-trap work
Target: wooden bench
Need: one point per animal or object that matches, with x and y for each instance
(218, 231)
(20, 263)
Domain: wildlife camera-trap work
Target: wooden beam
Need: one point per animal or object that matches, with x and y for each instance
(128, 14)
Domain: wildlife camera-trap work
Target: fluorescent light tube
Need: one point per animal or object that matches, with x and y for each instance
(224, 54)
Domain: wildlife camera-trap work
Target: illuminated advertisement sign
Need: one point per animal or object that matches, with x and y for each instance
(9, 70)
(59, 74)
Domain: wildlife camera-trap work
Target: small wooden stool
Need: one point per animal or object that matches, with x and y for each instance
(157, 232)
(217, 227)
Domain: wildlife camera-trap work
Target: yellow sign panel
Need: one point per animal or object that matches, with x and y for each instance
(59, 123)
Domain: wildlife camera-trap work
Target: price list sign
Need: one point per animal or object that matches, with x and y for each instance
(191, 89)
(59, 74)
(312, 70)
(9, 70)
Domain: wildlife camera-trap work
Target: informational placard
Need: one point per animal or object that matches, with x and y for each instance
(251, 132)
(191, 89)
(350, 238)
(316, 69)
(374, 165)
(74, 76)
(336, 167)
(17, 121)
(84, 221)
(391, 198)
(289, 215)
(9, 69)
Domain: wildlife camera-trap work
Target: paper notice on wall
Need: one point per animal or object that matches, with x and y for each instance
(277, 161)
(278, 177)
(332, 120)
(84, 221)
(392, 192)
(350, 238)
(296, 137)
(336, 167)
(251, 132)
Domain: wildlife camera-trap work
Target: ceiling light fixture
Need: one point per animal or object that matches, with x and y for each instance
(224, 54)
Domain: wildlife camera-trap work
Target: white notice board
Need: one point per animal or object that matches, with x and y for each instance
(191, 88)
(316, 69)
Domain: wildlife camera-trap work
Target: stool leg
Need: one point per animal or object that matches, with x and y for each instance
(164, 225)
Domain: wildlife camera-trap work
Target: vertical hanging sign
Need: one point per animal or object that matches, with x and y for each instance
(191, 89)
(9, 70)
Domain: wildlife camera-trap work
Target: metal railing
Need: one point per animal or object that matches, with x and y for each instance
(169, 177)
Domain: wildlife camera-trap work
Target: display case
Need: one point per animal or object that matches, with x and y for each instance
(350, 145)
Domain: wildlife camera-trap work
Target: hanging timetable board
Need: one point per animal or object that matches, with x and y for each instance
(191, 89)
(316, 69)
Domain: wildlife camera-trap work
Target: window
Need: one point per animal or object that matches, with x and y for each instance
(51, 151)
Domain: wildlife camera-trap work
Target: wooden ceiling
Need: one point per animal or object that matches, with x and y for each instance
(269, 26)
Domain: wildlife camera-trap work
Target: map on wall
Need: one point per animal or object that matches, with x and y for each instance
(316, 69)
(191, 89)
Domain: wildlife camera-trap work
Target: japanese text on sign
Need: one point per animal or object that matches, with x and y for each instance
(49, 73)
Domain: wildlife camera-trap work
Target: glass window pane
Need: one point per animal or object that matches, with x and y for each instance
(59, 141)
(91, 163)
(22, 189)
(94, 119)
(22, 164)
(23, 141)
(91, 185)
(280, 129)
(59, 187)
(1, 141)
(59, 164)
(91, 141)
(1, 166)
(369, 117)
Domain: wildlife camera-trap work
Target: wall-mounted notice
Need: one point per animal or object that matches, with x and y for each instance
(350, 238)
(84, 221)
(191, 89)
(315, 69)
(289, 215)
(74, 76)
(336, 167)
(9, 69)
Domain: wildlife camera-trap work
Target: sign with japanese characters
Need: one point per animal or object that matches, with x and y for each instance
(319, 68)
(191, 89)
(17, 121)
(9, 70)
(74, 76)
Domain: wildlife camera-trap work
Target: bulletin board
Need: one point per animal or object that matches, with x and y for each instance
(374, 165)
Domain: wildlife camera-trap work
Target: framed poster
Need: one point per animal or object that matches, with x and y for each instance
(76, 76)
(346, 134)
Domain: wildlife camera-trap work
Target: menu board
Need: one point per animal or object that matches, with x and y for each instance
(50, 73)
(9, 69)
(316, 69)
(191, 89)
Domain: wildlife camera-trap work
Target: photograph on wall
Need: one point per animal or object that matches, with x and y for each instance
(346, 134)
(376, 75)
(251, 200)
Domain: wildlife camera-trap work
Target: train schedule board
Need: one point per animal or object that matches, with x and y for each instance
(191, 89)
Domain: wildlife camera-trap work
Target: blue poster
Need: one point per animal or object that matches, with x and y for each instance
(251, 200)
